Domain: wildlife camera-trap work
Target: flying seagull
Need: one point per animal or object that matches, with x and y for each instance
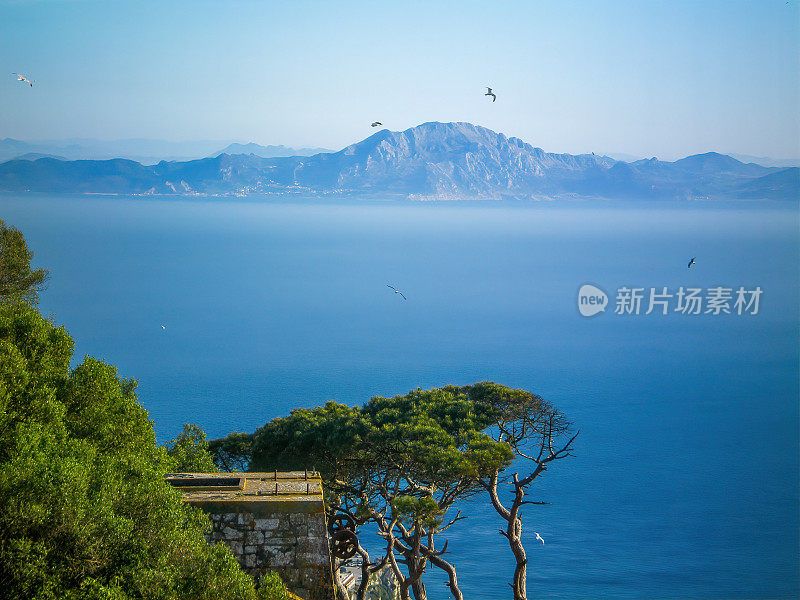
(489, 93)
(377, 123)
(23, 78)
(396, 291)
(538, 537)
(164, 327)
(691, 262)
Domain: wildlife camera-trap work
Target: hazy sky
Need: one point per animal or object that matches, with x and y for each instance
(658, 78)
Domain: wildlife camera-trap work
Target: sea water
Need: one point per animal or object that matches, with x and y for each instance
(684, 482)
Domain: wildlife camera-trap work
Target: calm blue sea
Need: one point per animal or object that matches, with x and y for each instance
(685, 479)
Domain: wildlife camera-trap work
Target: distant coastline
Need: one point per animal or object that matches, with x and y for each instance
(430, 162)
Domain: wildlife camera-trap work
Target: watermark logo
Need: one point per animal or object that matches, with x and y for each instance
(631, 300)
(591, 300)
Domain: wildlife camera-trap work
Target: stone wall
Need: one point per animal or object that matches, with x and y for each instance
(270, 521)
(286, 539)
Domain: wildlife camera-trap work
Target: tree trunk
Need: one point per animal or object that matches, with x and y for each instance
(513, 532)
(403, 583)
(521, 571)
(367, 570)
(341, 591)
(361, 592)
(416, 566)
(419, 589)
(451, 573)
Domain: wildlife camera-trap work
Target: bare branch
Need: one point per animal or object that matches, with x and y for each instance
(458, 517)
(491, 488)
(523, 455)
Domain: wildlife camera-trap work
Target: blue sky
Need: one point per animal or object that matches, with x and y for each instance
(664, 79)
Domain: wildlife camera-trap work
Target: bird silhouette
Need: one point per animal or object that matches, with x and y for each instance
(691, 262)
(490, 93)
(23, 78)
(377, 124)
(538, 537)
(396, 291)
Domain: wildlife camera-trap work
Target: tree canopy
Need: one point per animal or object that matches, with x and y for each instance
(233, 452)
(84, 508)
(189, 452)
(18, 282)
(402, 463)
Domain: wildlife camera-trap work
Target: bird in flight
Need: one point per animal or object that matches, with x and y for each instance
(164, 327)
(490, 93)
(23, 78)
(377, 124)
(396, 291)
(538, 537)
(691, 262)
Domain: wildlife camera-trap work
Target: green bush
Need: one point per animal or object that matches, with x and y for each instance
(189, 452)
(18, 282)
(84, 509)
(271, 587)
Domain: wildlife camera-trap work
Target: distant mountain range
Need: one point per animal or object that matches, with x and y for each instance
(767, 161)
(764, 161)
(433, 161)
(139, 150)
(269, 151)
(37, 156)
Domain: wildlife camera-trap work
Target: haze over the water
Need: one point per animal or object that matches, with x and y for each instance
(668, 79)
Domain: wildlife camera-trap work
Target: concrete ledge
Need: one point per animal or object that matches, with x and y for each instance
(261, 507)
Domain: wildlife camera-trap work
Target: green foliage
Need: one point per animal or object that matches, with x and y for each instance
(327, 437)
(435, 436)
(403, 462)
(271, 587)
(425, 510)
(233, 452)
(432, 444)
(17, 281)
(189, 451)
(84, 509)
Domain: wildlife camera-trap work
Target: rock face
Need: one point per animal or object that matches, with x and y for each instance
(441, 161)
(445, 159)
